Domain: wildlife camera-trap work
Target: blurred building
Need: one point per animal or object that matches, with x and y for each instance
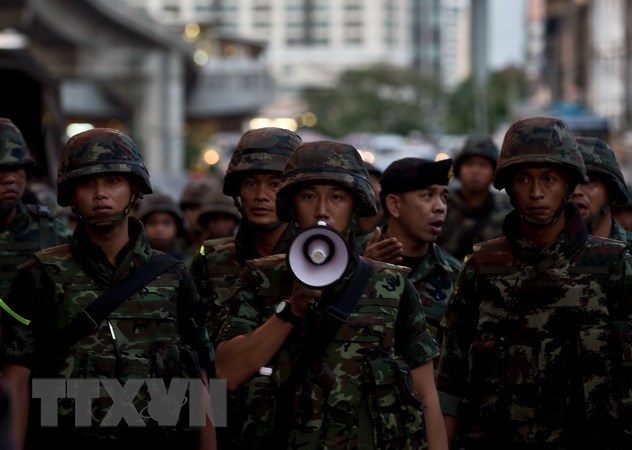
(103, 63)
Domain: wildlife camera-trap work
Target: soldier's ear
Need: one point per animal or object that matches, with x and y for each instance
(392, 204)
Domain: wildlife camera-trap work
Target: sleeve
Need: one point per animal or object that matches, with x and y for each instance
(460, 323)
(241, 314)
(21, 314)
(191, 320)
(413, 341)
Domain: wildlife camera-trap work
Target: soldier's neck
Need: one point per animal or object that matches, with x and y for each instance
(543, 236)
(265, 241)
(603, 226)
(110, 239)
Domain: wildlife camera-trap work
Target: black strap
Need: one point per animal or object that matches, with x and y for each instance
(335, 316)
(89, 319)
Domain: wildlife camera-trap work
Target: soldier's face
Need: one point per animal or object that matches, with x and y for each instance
(162, 229)
(258, 198)
(539, 192)
(420, 214)
(476, 173)
(12, 185)
(101, 196)
(329, 202)
(591, 198)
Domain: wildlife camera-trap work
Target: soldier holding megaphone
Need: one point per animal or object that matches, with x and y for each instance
(330, 348)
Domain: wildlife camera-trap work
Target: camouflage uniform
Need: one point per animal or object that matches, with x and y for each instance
(163, 203)
(218, 263)
(155, 328)
(464, 225)
(538, 344)
(362, 396)
(600, 160)
(34, 227)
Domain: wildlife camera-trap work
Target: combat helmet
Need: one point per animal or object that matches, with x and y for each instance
(539, 140)
(159, 202)
(195, 191)
(476, 145)
(262, 149)
(326, 161)
(217, 202)
(600, 158)
(13, 149)
(96, 151)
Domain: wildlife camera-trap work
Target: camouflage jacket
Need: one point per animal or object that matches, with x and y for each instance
(618, 233)
(465, 226)
(33, 228)
(368, 362)
(433, 277)
(155, 329)
(217, 265)
(538, 343)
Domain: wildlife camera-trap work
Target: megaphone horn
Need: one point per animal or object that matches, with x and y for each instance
(318, 256)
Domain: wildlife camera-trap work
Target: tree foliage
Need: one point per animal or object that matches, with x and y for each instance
(377, 99)
(391, 99)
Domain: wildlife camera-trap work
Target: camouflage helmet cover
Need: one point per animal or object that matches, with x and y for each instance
(262, 149)
(159, 202)
(326, 161)
(476, 145)
(195, 191)
(539, 140)
(97, 151)
(13, 148)
(600, 158)
(217, 202)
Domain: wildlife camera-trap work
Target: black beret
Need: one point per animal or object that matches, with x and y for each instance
(411, 174)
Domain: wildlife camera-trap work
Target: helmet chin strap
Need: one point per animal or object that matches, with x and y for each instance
(592, 221)
(556, 215)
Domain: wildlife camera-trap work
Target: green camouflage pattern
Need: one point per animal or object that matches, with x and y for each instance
(259, 150)
(217, 202)
(476, 145)
(13, 149)
(465, 226)
(156, 328)
(196, 190)
(618, 233)
(370, 360)
(530, 346)
(34, 228)
(96, 151)
(433, 279)
(326, 161)
(539, 140)
(600, 158)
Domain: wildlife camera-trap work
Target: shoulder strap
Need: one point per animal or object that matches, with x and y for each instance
(89, 319)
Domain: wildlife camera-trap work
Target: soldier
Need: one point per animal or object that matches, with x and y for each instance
(219, 217)
(252, 180)
(314, 373)
(190, 205)
(24, 229)
(604, 189)
(536, 352)
(53, 323)
(622, 213)
(367, 224)
(414, 193)
(475, 213)
(164, 224)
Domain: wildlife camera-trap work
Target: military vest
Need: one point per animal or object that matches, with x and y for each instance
(221, 272)
(542, 362)
(145, 326)
(362, 393)
(19, 248)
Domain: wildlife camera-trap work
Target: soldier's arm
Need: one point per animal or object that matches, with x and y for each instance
(241, 356)
(17, 378)
(423, 379)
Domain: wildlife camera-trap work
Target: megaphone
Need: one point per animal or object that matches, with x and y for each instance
(318, 256)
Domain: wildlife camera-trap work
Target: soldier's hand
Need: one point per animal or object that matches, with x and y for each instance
(387, 250)
(303, 298)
